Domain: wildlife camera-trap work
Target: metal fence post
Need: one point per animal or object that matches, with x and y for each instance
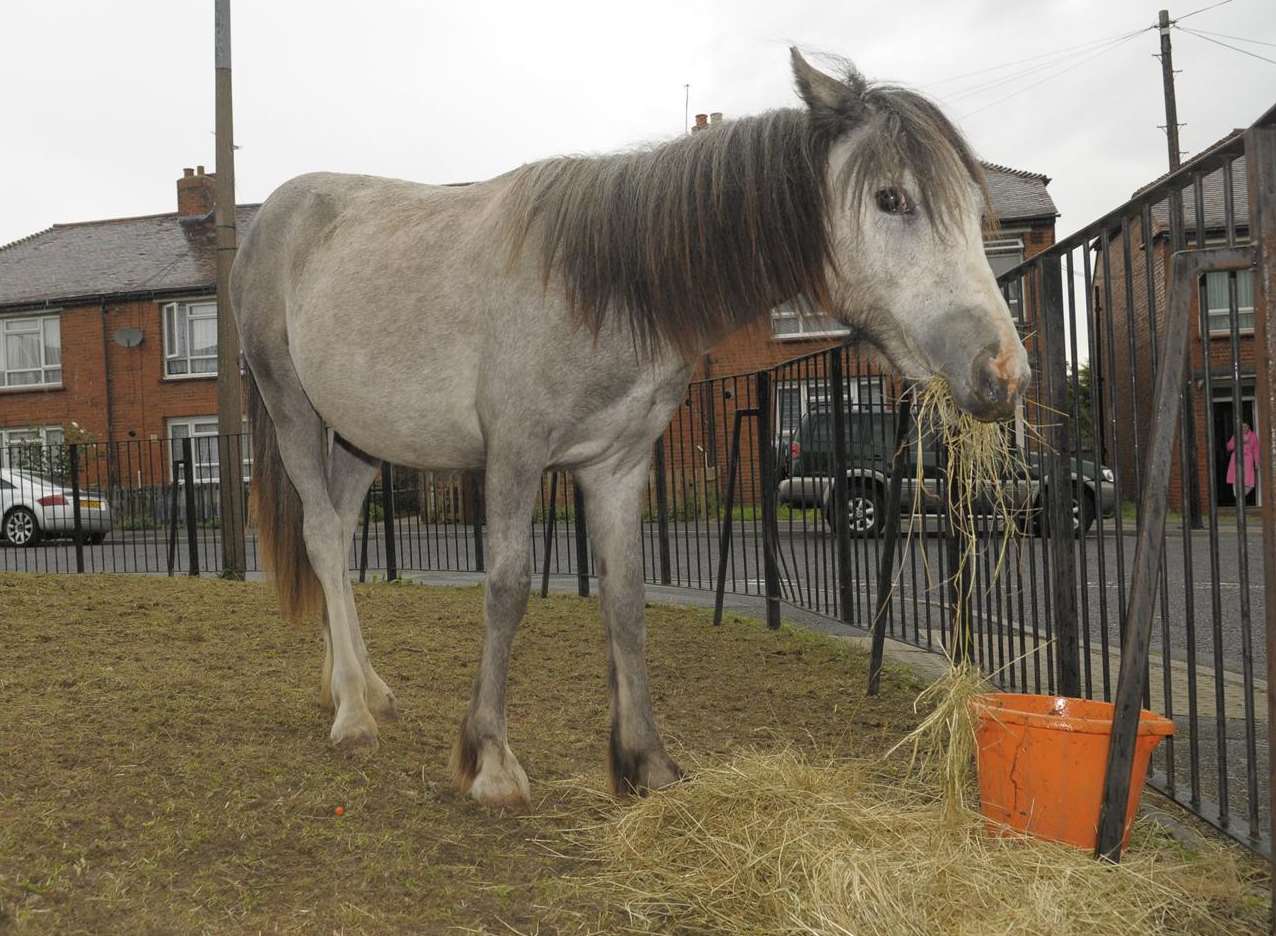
(582, 546)
(890, 536)
(961, 635)
(363, 540)
(192, 530)
(766, 458)
(1059, 483)
(473, 495)
(662, 512)
(73, 458)
(1260, 157)
(724, 546)
(550, 522)
(387, 520)
(172, 520)
(841, 522)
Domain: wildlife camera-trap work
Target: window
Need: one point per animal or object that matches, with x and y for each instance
(202, 431)
(788, 324)
(1004, 255)
(1216, 296)
(190, 339)
(795, 399)
(31, 351)
(33, 448)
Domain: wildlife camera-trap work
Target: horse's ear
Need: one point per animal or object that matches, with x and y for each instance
(824, 94)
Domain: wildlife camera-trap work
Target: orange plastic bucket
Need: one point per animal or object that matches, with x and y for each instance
(1042, 760)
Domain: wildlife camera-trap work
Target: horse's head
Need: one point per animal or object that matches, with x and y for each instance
(906, 265)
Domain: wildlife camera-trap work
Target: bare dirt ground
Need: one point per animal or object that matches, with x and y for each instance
(164, 765)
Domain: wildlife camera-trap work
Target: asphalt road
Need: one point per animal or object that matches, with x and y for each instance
(1208, 601)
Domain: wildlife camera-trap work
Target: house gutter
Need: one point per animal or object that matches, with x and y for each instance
(86, 299)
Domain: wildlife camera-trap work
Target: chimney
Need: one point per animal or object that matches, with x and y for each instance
(702, 123)
(195, 192)
(715, 117)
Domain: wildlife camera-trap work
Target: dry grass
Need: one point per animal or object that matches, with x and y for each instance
(775, 844)
(164, 767)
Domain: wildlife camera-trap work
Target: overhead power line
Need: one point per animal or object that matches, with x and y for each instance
(1032, 58)
(1225, 45)
(1206, 32)
(1039, 68)
(1202, 10)
(1077, 64)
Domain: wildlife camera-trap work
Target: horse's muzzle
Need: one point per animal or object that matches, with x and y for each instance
(997, 382)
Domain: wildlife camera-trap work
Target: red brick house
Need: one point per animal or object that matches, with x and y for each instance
(112, 325)
(1124, 336)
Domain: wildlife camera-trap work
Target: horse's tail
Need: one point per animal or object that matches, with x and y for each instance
(276, 509)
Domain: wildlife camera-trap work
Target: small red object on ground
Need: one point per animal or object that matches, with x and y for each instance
(340, 810)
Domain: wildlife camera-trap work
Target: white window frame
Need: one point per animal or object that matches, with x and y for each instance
(11, 438)
(49, 373)
(203, 444)
(195, 310)
(1219, 318)
(806, 326)
(1009, 246)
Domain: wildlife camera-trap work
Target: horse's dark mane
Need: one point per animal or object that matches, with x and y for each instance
(695, 237)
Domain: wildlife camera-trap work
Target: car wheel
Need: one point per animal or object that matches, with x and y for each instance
(95, 539)
(1082, 509)
(864, 510)
(21, 528)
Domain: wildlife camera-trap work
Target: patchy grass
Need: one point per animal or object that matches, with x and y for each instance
(164, 767)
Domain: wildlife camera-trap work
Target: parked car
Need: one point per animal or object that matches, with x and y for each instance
(807, 468)
(33, 507)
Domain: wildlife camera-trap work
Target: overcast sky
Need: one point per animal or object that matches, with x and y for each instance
(104, 103)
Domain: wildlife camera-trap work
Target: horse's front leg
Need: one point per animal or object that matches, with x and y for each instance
(613, 503)
(482, 763)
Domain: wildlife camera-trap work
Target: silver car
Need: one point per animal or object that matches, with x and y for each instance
(32, 507)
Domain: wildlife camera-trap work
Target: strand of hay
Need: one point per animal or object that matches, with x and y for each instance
(981, 462)
(942, 747)
(774, 845)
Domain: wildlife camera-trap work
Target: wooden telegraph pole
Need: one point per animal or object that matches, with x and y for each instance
(230, 407)
(1192, 486)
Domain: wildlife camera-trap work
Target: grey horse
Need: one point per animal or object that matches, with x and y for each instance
(550, 317)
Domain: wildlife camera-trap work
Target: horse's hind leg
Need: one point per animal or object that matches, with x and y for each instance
(350, 474)
(482, 763)
(613, 493)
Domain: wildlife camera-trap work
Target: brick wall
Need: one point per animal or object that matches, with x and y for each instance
(142, 400)
(1126, 339)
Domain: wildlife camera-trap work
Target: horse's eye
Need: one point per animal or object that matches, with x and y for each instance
(893, 201)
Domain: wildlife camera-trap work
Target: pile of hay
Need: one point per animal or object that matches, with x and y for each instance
(772, 843)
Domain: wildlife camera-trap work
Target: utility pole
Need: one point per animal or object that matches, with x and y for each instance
(1193, 484)
(1167, 80)
(230, 407)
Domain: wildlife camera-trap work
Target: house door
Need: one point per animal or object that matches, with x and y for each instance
(1224, 428)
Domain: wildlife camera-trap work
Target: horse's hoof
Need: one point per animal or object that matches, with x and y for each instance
(354, 735)
(502, 788)
(489, 773)
(383, 705)
(642, 773)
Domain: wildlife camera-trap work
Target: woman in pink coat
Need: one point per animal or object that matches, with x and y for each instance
(1250, 456)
